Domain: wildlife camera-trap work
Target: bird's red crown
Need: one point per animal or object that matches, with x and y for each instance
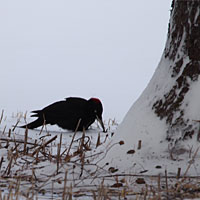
(96, 100)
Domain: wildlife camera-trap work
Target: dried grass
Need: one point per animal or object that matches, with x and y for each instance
(19, 178)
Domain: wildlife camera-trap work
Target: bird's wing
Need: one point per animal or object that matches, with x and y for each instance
(71, 108)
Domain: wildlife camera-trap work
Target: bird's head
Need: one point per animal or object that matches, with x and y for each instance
(98, 110)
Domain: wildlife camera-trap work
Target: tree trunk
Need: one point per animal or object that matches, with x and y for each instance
(183, 50)
(164, 118)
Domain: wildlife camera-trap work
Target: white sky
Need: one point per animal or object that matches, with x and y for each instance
(51, 49)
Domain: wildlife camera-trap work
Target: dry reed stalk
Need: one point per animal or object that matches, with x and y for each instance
(70, 192)
(25, 140)
(37, 157)
(82, 141)
(58, 152)
(1, 118)
(43, 125)
(17, 188)
(139, 144)
(82, 159)
(10, 191)
(106, 137)
(32, 182)
(16, 150)
(166, 182)
(1, 162)
(42, 128)
(159, 188)
(18, 141)
(67, 156)
(1, 195)
(25, 115)
(123, 193)
(4, 130)
(65, 186)
(16, 125)
(94, 195)
(98, 140)
(87, 143)
(113, 122)
(33, 173)
(63, 152)
(100, 189)
(52, 189)
(146, 192)
(198, 134)
(178, 173)
(7, 171)
(190, 163)
(44, 145)
(9, 132)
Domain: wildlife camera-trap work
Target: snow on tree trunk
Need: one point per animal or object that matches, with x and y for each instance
(163, 118)
(183, 50)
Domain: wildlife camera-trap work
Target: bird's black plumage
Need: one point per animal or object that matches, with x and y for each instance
(66, 114)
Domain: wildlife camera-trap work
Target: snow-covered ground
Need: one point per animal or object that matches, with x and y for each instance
(46, 160)
(42, 168)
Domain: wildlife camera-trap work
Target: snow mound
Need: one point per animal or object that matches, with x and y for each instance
(161, 130)
(142, 127)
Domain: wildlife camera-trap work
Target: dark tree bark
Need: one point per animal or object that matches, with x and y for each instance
(183, 51)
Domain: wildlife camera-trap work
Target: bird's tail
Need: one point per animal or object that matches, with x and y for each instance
(38, 122)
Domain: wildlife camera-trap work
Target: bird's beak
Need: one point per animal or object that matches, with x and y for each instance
(101, 122)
